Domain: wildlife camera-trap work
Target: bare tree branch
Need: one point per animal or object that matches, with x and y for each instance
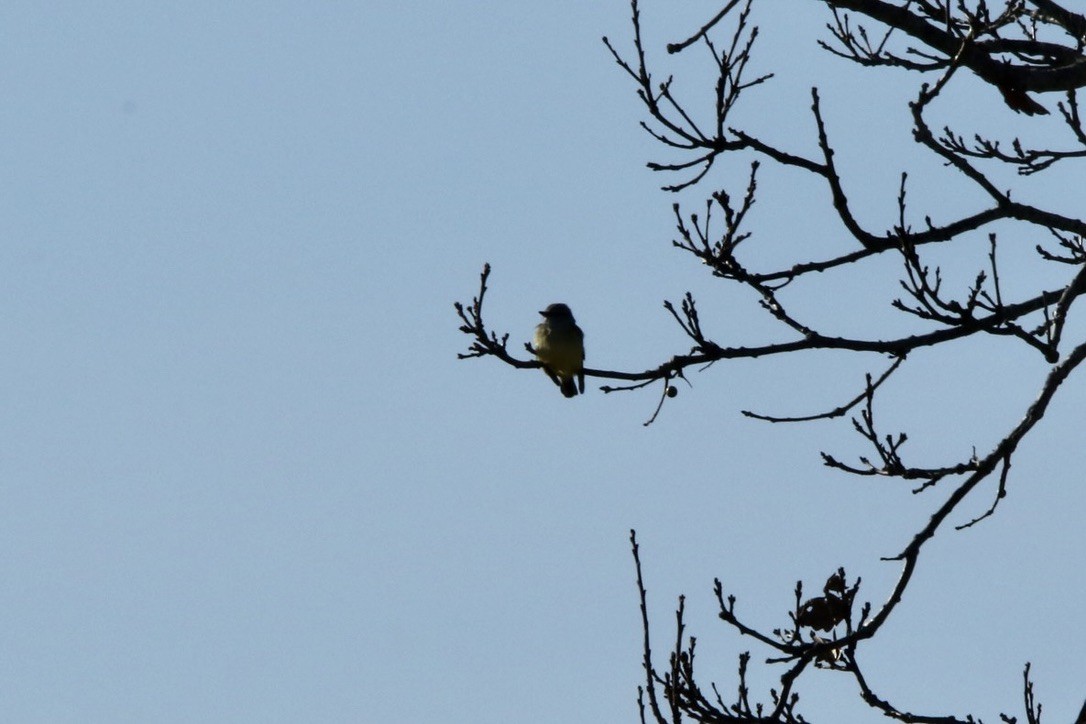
(1015, 47)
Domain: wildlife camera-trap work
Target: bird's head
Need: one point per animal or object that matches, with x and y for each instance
(557, 311)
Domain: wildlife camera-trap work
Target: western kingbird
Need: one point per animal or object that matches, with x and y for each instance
(559, 346)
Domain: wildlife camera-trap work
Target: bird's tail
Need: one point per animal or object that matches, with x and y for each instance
(569, 387)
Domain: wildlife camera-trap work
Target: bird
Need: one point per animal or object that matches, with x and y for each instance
(559, 347)
(1020, 102)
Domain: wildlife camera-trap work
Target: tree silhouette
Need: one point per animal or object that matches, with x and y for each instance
(1021, 48)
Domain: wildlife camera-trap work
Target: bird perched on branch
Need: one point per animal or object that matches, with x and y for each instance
(559, 347)
(1020, 101)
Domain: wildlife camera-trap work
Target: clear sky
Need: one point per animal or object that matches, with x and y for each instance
(244, 478)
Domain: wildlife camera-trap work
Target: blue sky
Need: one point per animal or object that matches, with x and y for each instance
(244, 478)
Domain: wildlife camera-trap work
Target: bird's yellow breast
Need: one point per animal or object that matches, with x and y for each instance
(560, 349)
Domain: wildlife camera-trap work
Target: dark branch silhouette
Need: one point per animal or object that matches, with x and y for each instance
(1018, 49)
